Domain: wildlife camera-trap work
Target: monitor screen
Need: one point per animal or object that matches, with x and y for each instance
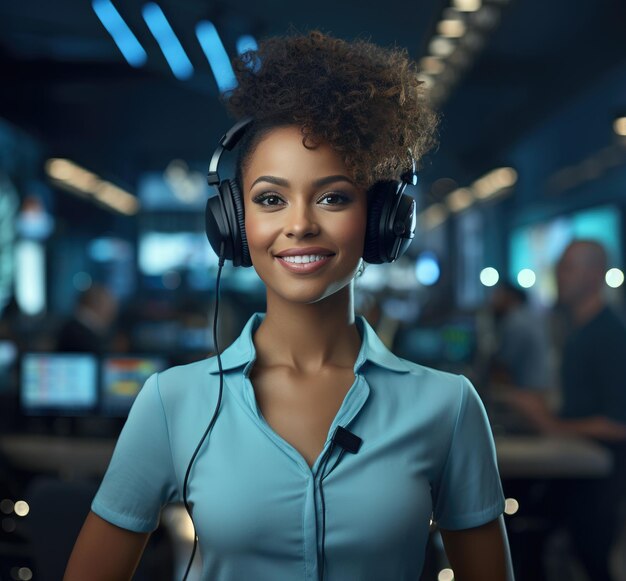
(160, 252)
(122, 378)
(61, 384)
(539, 246)
(8, 358)
(446, 346)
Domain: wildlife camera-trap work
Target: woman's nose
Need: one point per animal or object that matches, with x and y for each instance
(300, 220)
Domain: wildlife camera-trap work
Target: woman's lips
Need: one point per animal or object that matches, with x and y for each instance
(304, 268)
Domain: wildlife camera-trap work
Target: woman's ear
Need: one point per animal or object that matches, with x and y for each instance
(361, 269)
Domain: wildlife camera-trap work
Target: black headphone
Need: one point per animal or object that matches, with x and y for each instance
(391, 215)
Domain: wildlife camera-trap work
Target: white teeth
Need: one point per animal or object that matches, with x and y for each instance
(303, 259)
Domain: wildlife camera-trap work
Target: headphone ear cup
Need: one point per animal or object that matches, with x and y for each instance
(217, 226)
(381, 197)
(237, 199)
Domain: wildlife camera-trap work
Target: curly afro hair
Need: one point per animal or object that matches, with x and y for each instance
(366, 101)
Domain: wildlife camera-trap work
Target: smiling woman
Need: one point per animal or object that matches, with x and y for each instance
(292, 196)
(330, 135)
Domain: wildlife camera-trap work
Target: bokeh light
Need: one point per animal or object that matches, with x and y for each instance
(614, 277)
(526, 278)
(489, 276)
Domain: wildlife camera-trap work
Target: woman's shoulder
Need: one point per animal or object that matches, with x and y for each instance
(175, 380)
(424, 374)
(440, 385)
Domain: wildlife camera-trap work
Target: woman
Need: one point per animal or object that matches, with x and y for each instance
(331, 119)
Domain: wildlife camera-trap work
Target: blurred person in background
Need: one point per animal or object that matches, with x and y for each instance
(522, 356)
(90, 328)
(593, 405)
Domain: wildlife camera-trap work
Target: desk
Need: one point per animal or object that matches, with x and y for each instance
(67, 457)
(551, 457)
(518, 456)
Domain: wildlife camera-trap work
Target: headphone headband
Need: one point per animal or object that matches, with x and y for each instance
(227, 141)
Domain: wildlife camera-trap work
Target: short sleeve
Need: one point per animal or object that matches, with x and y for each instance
(140, 478)
(469, 492)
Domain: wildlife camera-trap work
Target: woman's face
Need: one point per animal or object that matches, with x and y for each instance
(296, 197)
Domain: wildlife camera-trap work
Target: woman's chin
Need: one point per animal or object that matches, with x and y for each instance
(308, 292)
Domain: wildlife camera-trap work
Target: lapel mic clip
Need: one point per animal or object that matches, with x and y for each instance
(347, 440)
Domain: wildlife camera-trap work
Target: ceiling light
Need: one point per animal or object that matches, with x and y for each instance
(493, 182)
(427, 80)
(245, 43)
(73, 178)
(467, 5)
(440, 46)
(459, 199)
(451, 28)
(619, 126)
(167, 40)
(217, 56)
(123, 37)
(432, 65)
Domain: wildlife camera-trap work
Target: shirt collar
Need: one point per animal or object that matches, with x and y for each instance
(242, 350)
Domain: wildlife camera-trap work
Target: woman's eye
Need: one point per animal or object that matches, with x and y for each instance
(263, 197)
(342, 199)
(274, 200)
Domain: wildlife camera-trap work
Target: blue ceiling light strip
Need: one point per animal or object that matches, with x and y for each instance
(245, 43)
(173, 51)
(125, 40)
(216, 55)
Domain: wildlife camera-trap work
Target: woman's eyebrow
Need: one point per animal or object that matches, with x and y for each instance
(317, 183)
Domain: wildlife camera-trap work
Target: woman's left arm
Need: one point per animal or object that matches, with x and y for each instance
(480, 553)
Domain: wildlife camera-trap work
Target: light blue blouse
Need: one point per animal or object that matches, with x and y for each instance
(427, 452)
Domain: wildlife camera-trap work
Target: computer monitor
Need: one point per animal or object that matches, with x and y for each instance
(122, 378)
(539, 246)
(8, 360)
(448, 346)
(58, 384)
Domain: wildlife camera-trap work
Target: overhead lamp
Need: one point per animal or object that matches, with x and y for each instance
(167, 40)
(619, 126)
(451, 28)
(440, 46)
(428, 80)
(79, 181)
(467, 5)
(217, 56)
(245, 43)
(459, 199)
(121, 34)
(493, 182)
(432, 65)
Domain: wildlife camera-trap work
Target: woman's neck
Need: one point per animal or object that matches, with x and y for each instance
(309, 338)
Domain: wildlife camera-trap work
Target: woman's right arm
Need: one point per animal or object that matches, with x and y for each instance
(105, 552)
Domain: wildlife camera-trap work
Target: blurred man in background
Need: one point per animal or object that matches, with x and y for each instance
(90, 327)
(593, 405)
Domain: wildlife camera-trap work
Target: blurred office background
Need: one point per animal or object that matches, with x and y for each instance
(109, 114)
